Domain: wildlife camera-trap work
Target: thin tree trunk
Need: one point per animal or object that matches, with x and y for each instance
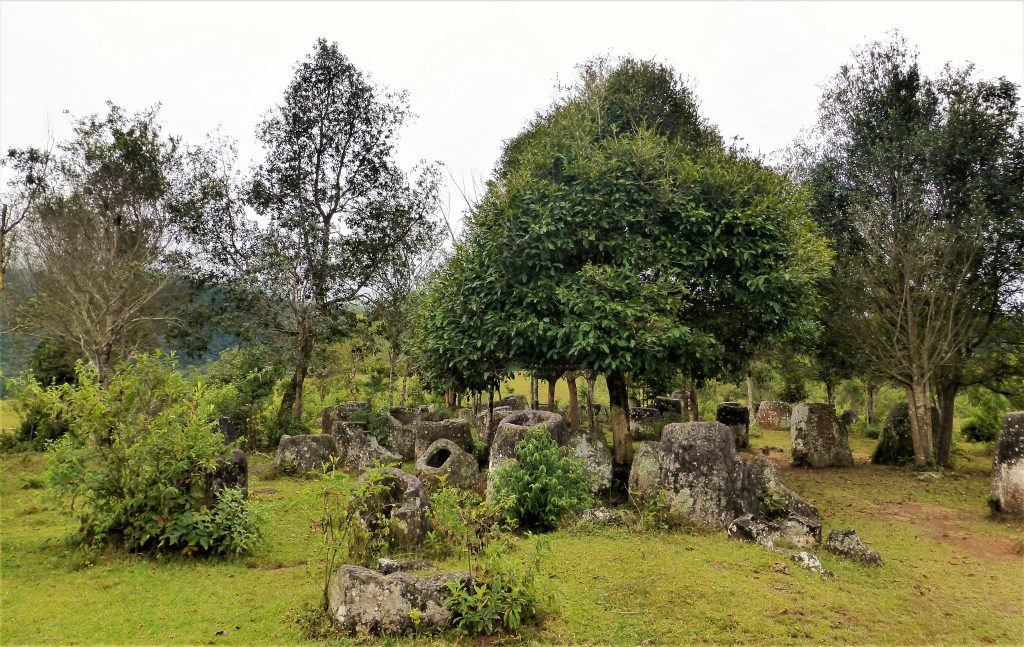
(551, 393)
(290, 411)
(490, 411)
(534, 392)
(693, 404)
(591, 387)
(405, 378)
(872, 389)
(499, 391)
(944, 434)
(920, 421)
(574, 402)
(830, 390)
(618, 400)
(392, 360)
(750, 394)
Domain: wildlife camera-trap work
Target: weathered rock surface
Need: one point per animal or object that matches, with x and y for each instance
(232, 471)
(895, 444)
(736, 417)
(848, 544)
(645, 423)
(669, 404)
(357, 448)
(300, 454)
(484, 431)
(818, 440)
(774, 415)
(808, 561)
(765, 478)
(362, 601)
(597, 517)
(513, 402)
(592, 447)
(514, 427)
(848, 418)
(444, 458)
(402, 504)
(227, 429)
(799, 532)
(645, 471)
(702, 474)
(1008, 466)
(387, 566)
(453, 429)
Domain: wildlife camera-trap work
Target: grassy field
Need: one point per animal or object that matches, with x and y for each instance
(951, 575)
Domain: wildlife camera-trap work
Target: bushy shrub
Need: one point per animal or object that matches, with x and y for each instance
(774, 505)
(984, 411)
(41, 417)
(462, 523)
(135, 464)
(245, 378)
(980, 430)
(505, 595)
(53, 362)
(544, 483)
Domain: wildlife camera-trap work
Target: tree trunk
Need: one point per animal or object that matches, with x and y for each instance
(290, 411)
(872, 389)
(574, 402)
(750, 394)
(693, 404)
(490, 410)
(618, 400)
(405, 378)
(944, 434)
(920, 421)
(534, 392)
(830, 390)
(591, 387)
(392, 361)
(551, 393)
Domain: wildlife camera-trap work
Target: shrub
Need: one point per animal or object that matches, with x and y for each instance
(41, 418)
(136, 461)
(462, 523)
(545, 483)
(505, 595)
(774, 505)
(980, 430)
(245, 381)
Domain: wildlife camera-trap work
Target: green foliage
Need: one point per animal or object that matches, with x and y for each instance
(135, 464)
(545, 483)
(52, 362)
(774, 505)
(462, 523)
(246, 377)
(505, 595)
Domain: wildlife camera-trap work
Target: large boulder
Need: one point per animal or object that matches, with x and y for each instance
(1008, 466)
(818, 440)
(514, 427)
(645, 423)
(848, 419)
(231, 471)
(645, 470)
(774, 415)
(847, 543)
(702, 474)
(361, 601)
(765, 478)
(895, 444)
(401, 503)
(513, 402)
(227, 429)
(445, 459)
(736, 417)
(793, 530)
(484, 431)
(300, 454)
(454, 429)
(592, 447)
(358, 449)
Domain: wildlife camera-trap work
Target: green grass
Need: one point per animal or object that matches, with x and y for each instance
(10, 419)
(952, 574)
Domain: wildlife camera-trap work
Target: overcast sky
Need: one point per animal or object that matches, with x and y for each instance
(475, 72)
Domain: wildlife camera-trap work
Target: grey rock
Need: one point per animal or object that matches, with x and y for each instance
(895, 444)
(598, 517)
(300, 454)
(645, 423)
(592, 447)
(387, 566)
(774, 415)
(810, 562)
(669, 404)
(513, 403)
(818, 440)
(401, 438)
(736, 417)
(1008, 466)
(232, 471)
(794, 530)
(362, 601)
(484, 431)
(402, 504)
(358, 449)
(645, 470)
(513, 428)
(765, 478)
(445, 459)
(226, 427)
(453, 429)
(848, 544)
(848, 418)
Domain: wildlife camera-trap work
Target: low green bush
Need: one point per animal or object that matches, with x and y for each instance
(544, 483)
(136, 461)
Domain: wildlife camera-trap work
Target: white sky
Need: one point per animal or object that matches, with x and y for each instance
(475, 72)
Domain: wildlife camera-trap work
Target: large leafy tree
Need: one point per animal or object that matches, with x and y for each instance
(920, 184)
(332, 209)
(620, 236)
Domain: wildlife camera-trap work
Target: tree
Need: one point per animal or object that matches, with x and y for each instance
(30, 168)
(332, 209)
(616, 239)
(101, 223)
(920, 184)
